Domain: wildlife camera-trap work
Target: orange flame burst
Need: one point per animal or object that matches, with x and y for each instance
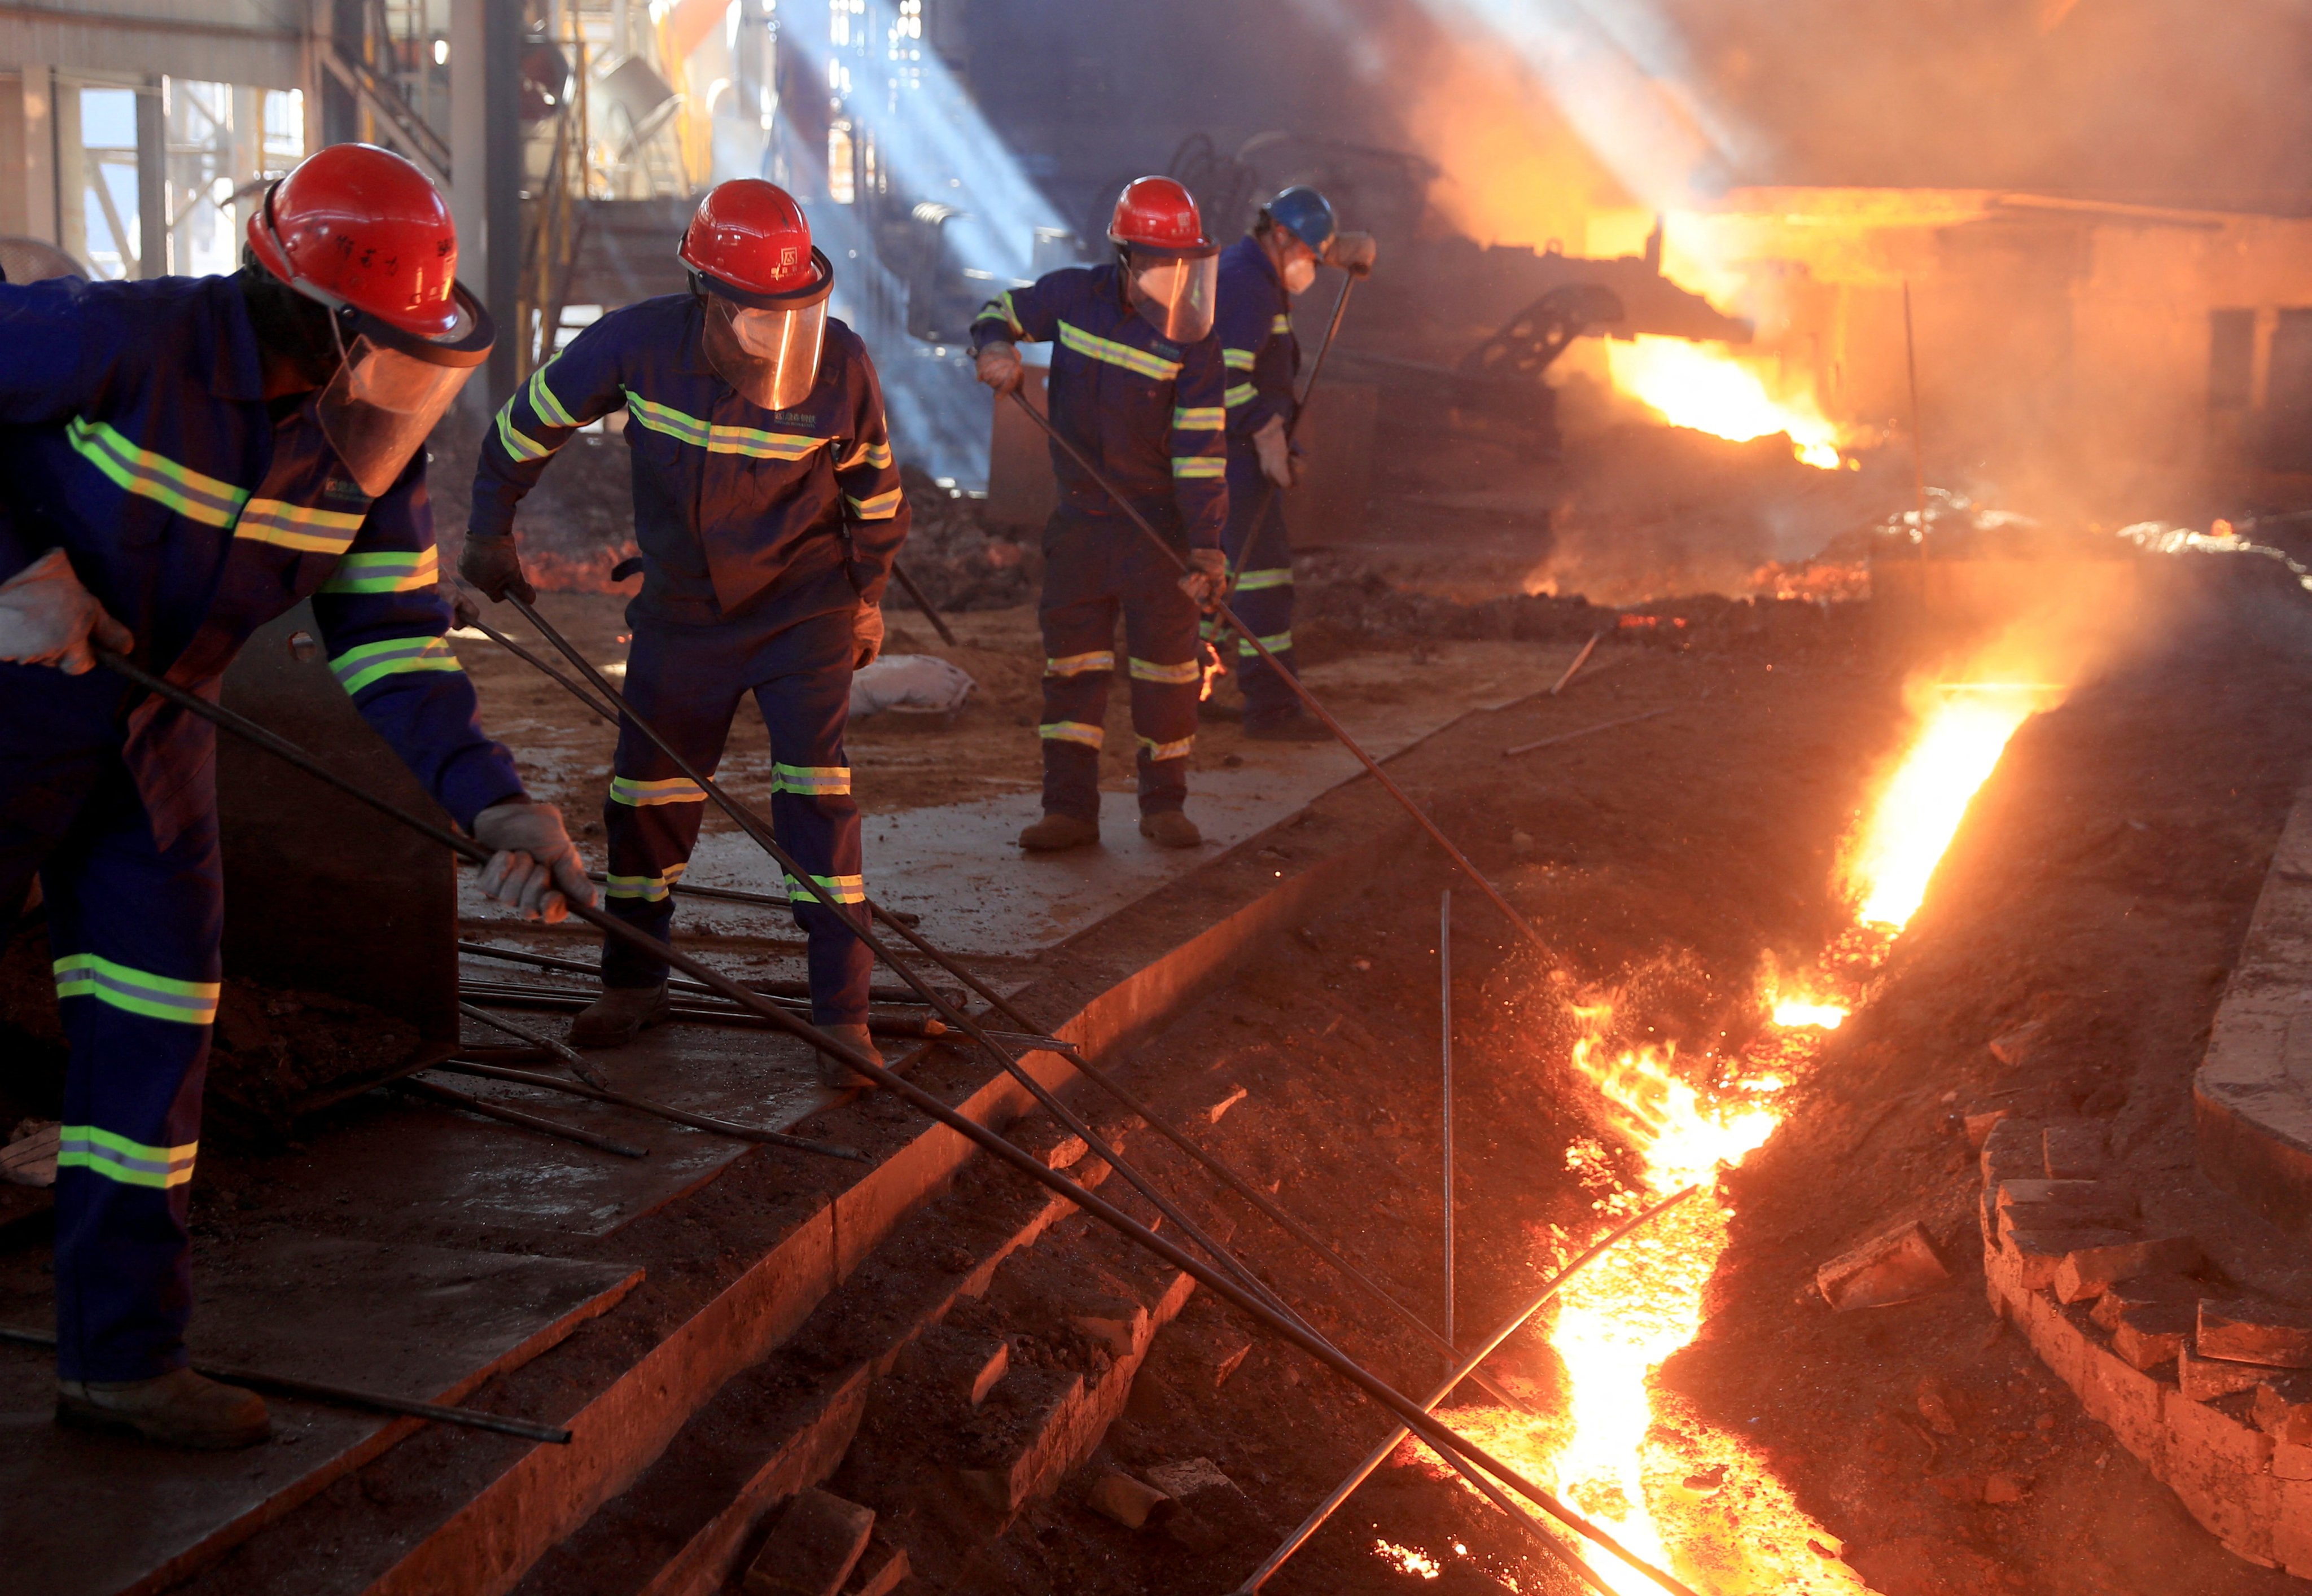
(1712, 391)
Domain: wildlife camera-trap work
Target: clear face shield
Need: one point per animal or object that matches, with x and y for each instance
(769, 358)
(388, 393)
(1174, 293)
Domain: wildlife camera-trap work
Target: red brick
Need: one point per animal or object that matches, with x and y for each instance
(2107, 1195)
(2291, 1462)
(2040, 1252)
(2143, 1290)
(1892, 1268)
(2292, 1528)
(2074, 1152)
(2251, 1332)
(812, 1548)
(2283, 1408)
(2220, 1471)
(2127, 1401)
(2089, 1271)
(2150, 1334)
(2203, 1380)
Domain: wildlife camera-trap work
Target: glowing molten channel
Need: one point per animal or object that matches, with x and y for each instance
(1709, 390)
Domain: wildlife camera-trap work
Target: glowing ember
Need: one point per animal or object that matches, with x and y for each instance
(1408, 1560)
(1793, 1013)
(1712, 391)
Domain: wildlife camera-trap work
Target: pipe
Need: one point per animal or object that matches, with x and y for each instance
(907, 583)
(1380, 1454)
(413, 1088)
(560, 1050)
(1467, 1458)
(550, 1083)
(1580, 660)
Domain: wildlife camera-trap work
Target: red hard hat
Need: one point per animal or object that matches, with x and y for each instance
(361, 226)
(1158, 214)
(751, 242)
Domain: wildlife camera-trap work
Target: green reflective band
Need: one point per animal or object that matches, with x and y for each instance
(1199, 418)
(650, 889)
(1241, 394)
(156, 477)
(875, 456)
(1156, 750)
(1002, 302)
(1185, 673)
(1195, 466)
(1274, 645)
(517, 444)
(815, 780)
(882, 507)
(1282, 324)
(385, 573)
(296, 527)
(137, 991)
(843, 889)
(1252, 582)
(1080, 665)
(1137, 360)
(642, 795)
(357, 667)
(1239, 360)
(1072, 731)
(549, 409)
(751, 442)
(117, 1158)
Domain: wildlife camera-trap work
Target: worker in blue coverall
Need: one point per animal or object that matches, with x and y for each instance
(1136, 385)
(1260, 276)
(767, 510)
(181, 461)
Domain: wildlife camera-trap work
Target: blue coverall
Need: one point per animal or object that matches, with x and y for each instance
(762, 534)
(134, 435)
(1253, 316)
(1147, 413)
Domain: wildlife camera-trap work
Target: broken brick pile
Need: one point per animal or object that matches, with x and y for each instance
(2208, 1386)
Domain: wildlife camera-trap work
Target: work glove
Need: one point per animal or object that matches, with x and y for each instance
(1206, 578)
(534, 866)
(866, 635)
(1277, 461)
(47, 618)
(494, 565)
(1353, 252)
(999, 367)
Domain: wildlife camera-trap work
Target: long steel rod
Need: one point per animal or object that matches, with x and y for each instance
(1472, 1461)
(697, 1005)
(790, 991)
(1268, 656)
(342, 1395)
(1445, 1048)
(1509, 1327)
(561, 1049)
(907, 585)
(601, 710)
(1567, 737)
(552, 1083)
(1580, 660)
(410, 1086)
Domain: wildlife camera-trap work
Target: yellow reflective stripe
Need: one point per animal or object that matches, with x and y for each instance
(1156, 750)
(542, 400)
(385, 573)
(357, 667)
(1240, 360)
(650, 889)
(1078, 665)
(1072, 731)
(1241, 394)
(156, 477)
(882, 507)
(1282, 324)
(298, 526)
(1274, 645)
(816, 780)
(517, 444)
(642, 795)
(875, 456)
(1195, 466)
(1137, 360)
(101, 1152)
(1252, 582)
(1207, 418)
(137, 991)
(716, 439)
(1185, 673)
(843, 889)
(1002, 302)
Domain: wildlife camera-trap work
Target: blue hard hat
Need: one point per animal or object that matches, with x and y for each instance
(1305, 213)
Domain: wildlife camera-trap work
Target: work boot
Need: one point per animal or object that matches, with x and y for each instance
(621, 1014)
(1295, 725)
(1056, 832)
(834, 1072)
(1169, 828)
(178, 1408)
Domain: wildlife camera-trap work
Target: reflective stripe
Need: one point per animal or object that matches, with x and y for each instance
(1241, 394)
(1179, 750)
(1253, 581)
(385, 573)
(1137, 360)
(138, 991)
(1184, 674)
(156, 477)
(1274, 645)
(1080, 665)
(817, 781)
(1002, 302)
(1282, 324)
(650, 889)
(117, 1158)
(642, 795)
(517, 443)
(1194, 466)
(1240, 360)
(1200, 418)
(716, 439)
(843, 889)
(1072, 731)
(357, 667)
(542, 400)
(877, 456)
(296, 527)
(882, 507)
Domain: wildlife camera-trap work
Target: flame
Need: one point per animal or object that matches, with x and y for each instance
(1794, 1013)
(1713, 392)
(1406, 1560)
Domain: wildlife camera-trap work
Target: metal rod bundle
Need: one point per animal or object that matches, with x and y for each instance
(432, 1092)
(769, 989)
(548, 1082)
(561, 1049)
